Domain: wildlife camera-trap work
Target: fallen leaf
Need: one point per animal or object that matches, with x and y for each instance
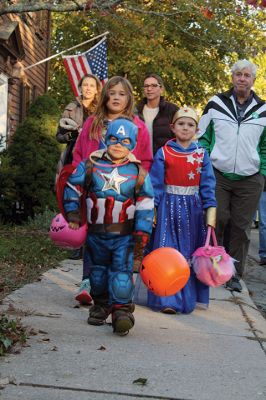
(33, 332)
(43, 332)
(140, 381)
(102, 348)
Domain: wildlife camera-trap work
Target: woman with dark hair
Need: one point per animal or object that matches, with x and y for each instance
(156, 111)
(76, 113)
(116, 100)
(72, 120)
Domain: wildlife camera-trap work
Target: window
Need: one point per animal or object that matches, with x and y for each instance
(25, 101)
(3, 110)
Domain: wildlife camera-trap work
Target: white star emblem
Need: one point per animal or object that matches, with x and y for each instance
(199, 159)
(199, 170)
(191, 175)
(199, 151)
(190, 159)
(113, 181)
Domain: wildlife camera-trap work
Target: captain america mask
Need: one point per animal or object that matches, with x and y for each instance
(119, 130)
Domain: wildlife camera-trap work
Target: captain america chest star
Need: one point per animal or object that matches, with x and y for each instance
(183, 168)
(116, 181)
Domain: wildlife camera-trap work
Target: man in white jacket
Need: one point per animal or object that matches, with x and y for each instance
(233, 130)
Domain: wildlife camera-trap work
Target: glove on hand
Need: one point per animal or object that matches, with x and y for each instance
(141, 237)
(68, 124)
(67, 136)
(211, 216)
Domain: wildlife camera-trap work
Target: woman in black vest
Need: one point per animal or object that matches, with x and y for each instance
(156, 112)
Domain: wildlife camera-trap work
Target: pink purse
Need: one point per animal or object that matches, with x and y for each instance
(211, 264)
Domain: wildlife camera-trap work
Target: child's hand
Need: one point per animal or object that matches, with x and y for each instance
(142, 238)
(73, 225)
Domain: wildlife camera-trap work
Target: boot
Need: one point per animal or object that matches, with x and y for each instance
(100, 310)
(98, 314)
(122, 318)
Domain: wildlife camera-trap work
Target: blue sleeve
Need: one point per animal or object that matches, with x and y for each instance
(157, 176)
(73, 189)
(207, 183)
(144, 207)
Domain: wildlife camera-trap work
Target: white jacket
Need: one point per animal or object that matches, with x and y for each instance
(237, 148)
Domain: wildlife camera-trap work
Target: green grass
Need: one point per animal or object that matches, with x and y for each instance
(25, 253)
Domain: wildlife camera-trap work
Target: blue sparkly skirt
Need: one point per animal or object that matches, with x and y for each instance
(181, 225)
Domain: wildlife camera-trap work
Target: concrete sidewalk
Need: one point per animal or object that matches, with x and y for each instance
(217, 354)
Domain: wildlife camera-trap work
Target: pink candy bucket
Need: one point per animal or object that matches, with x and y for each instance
(63, 236)
(212, 265)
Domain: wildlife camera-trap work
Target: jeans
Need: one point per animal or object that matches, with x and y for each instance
(262, 226)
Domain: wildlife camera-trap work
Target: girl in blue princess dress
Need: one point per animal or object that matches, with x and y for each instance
(184, 188)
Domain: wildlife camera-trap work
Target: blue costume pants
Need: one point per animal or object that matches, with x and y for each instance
(109, 259)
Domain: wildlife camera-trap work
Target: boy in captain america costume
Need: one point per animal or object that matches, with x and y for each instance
(120, 207)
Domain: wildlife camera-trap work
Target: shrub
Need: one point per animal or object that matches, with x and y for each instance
(44, 104)
(35, 153)
(33, 156)
(7, 187)
(41, 221)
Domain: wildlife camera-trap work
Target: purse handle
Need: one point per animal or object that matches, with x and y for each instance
(210, 232)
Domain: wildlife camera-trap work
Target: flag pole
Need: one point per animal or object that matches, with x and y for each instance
(64, 51)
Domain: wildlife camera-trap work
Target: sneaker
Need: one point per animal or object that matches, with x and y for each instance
(83, 295)
(262, 261)
(234, 285)
(98, 314)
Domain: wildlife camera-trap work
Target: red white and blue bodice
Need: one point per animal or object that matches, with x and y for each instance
(181, 171)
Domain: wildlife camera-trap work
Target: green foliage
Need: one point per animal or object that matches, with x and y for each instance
(260, 83)
(7, 187)
(31, 160)
(35, 153)
(44, 104)
(190, 44)
(41, 221)
(11, 332)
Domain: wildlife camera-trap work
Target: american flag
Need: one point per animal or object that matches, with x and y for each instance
(93, 61)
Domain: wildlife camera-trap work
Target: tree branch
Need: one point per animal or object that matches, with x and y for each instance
(67, 6)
